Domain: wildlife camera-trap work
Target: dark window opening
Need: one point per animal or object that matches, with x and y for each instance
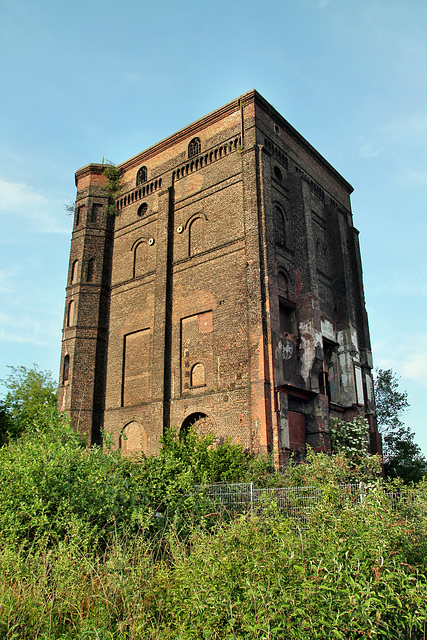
(90, 270)
(79, 214)
(194, 147)
(324, 387)
(288, 322)
(66, 369)
(94, 212)
(280, 225)
(278, 174)
(142, 210)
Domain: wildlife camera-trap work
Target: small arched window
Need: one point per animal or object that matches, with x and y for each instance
(70, 314)
(141, 176)
(194, 147)
(90, 269)
(66, 369)
(280, 225)
(74, 270)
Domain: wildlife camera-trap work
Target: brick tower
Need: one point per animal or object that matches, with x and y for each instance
(226, 290)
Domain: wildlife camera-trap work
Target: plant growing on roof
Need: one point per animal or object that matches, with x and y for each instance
(113, 187)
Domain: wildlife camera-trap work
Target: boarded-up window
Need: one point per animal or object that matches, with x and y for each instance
(296, 430)
(140, 259)
(133, 440)
(70, 315)
(136, 368)
(198, 375)
(196, 242)
(95, 213)
(74, 270)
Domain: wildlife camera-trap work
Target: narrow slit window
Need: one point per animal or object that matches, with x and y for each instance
(90, 270)
(66, 369)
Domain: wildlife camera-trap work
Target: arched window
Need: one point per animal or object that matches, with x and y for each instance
(280, 225)
(90, 269)
(74, 270)
(194, 147)
(66, 369)
(198, 375)
(141, 176)
(70, 314)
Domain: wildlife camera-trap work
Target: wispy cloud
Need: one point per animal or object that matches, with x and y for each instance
(24, 330)
(403, 282)
(40, 213)
(370, 151)
(406, 355)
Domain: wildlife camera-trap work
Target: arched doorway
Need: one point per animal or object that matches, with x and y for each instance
(200, 422)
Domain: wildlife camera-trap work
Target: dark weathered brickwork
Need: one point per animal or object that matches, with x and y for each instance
(226, 289)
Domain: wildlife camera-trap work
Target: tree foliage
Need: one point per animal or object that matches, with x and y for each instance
(30, 398)
(402, 456)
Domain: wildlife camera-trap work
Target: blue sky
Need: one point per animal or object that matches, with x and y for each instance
(84, 80)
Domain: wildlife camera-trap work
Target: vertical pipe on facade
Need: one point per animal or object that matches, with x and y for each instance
(269, 371)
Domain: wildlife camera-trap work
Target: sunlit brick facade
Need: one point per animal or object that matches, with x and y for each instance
(227, 287)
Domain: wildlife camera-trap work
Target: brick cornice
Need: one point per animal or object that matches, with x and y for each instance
(293, 133)
(89, 169)
(184, 133)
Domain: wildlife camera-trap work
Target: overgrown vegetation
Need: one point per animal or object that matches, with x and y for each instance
(94, 545)
(113, 187)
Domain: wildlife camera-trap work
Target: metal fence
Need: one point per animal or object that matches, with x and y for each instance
(294, 501)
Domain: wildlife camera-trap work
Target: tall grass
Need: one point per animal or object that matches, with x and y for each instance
(95, 546)
(355, 571)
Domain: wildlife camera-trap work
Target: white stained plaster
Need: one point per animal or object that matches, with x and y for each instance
(285, 350)
(308, 349)
(284, 433)
(328, 330)
(369, 387)
(359, 385)
(347, 339)
(348, 391)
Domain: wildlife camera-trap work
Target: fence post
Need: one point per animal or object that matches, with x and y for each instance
(361, 496)
(252, 495)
